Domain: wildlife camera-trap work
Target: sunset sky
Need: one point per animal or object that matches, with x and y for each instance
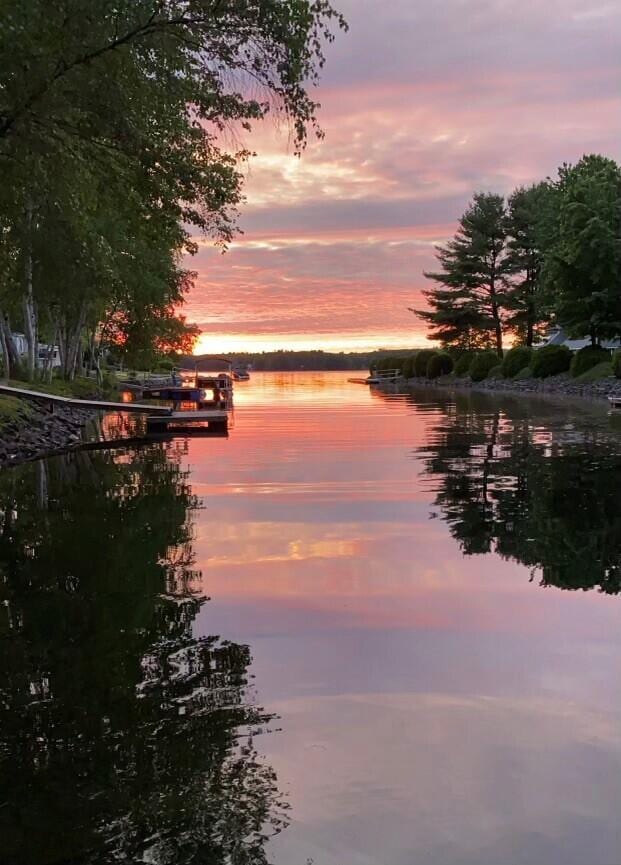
(422, 103)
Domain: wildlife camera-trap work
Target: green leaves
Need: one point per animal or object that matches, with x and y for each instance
(111, 117)
(583, 260)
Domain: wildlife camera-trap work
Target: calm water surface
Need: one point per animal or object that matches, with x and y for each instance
(362, 630)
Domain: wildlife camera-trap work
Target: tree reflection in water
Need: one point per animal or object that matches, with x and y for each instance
(122, 737)
(545, 492)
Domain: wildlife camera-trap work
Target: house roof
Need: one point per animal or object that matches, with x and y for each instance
(559, 337)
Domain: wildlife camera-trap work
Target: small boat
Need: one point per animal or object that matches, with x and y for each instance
(175, 394)
(221, 385)
(240, 373)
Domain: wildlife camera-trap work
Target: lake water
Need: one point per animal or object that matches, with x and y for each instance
(362, 630)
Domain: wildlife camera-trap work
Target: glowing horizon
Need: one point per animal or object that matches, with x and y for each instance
(251, 343)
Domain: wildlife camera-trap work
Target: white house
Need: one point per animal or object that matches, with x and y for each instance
(21, 347)
(21, 344)
(559, 337)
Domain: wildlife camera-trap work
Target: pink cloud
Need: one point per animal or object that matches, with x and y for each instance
(421, 107)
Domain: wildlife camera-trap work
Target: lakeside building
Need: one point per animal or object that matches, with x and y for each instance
(43, 349)
(559, 337)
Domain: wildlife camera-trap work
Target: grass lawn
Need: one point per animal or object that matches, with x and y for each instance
(79, 387)
(13, 410)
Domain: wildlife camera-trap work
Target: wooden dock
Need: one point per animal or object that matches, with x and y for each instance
(160, 418)
(74, 402)
(188, 421)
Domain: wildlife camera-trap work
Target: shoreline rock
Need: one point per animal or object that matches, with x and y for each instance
(557, 386)
(42, 433)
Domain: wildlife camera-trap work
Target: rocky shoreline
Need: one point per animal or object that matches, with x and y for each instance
(557, 385)
(41, 433)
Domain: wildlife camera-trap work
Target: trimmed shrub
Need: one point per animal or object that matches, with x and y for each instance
(397, 362)
(515, 360)
(524, 373)
(382, 364)
(550, 360)
(390, 361)
(440, 363)
(587, 358)
(482, 363)
(616, 363)
(407, 367)
(495, 372)
(601, 370)
(462, 364)
(421, 360)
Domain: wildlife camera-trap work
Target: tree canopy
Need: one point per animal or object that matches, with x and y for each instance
(583, 265)
(111, 122)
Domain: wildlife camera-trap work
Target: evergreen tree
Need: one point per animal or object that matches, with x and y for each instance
(466, 310)
(527, 313)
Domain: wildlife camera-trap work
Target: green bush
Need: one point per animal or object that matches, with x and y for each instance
(462, 364)
(482, 363)
(440, 363)
(495, 372)
(601, 370)
(550, 360)
(616, 363)
(587, 358)
(408, 365)
(421, 360)
(390, 361)
(109, 383)
(524, 373)
(515, 360)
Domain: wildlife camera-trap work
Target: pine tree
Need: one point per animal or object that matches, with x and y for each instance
(466, 307)
(527, 314)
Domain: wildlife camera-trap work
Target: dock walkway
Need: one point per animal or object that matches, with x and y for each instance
(159, 417)
(74, 402)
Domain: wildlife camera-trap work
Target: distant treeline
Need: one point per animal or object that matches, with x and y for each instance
(287, 361)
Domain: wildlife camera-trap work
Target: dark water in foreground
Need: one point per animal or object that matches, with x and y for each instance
(363, 630)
